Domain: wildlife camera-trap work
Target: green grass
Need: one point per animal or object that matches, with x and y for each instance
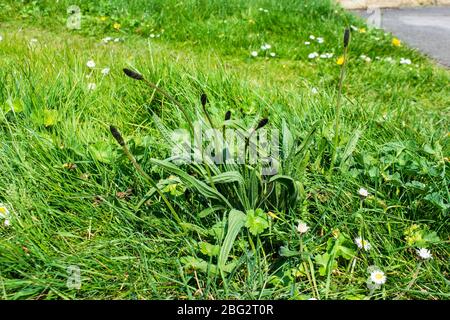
(394, 141)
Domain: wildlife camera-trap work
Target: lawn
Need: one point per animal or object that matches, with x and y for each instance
(359, 200)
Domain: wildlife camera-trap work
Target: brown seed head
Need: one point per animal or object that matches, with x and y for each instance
(132, 74)
(204, 99)
(346, 37)
(116, 134)
(262, 123)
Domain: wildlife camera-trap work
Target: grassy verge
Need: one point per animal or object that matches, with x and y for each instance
(74, 199)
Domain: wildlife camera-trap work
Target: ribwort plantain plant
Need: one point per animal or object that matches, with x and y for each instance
(227, 187)
(346, 41)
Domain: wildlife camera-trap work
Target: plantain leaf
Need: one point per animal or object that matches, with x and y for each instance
(228, 177)
(236, 220)
(290, 187)
(208, 211)
(288, 141)
(191, 182)
(351, 146)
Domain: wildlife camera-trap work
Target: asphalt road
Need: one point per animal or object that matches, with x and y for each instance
(424, 28)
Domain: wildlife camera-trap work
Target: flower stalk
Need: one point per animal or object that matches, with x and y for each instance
(118, 137)
(338, 102)
(137, 76)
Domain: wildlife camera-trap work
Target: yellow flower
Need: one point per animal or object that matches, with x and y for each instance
(103, 18)
(340, 61)
(272, 215)
(4, 213)
(335, 233)
(362, 30)
(396, 42)
(116, 25)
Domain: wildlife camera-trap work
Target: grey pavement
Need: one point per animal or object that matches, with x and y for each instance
(423, 28)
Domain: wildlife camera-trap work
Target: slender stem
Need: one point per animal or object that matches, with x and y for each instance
(172, 99)
(207, 116)
(338, 109)
(247, 142)
(311, 266)
(150, 180)
(413, 279)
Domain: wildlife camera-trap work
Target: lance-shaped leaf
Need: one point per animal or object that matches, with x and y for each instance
(236, 220)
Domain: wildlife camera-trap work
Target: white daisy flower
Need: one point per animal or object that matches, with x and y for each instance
(91, 64)
(307, 43)
(152, 35)
(363, 244)
(312, 37)
(320, 40)
(272, 54)
(424, 253)
(107, 39)
(266, 46)
(302, 227)
(363, 192)
(405, 61)
(116, 39)
(254, 53)
(326, 55)
(313, 55)
(314, 90)
(91, 86)
(378, 277)
(105, 71)
(4, 212)
(1, 38)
